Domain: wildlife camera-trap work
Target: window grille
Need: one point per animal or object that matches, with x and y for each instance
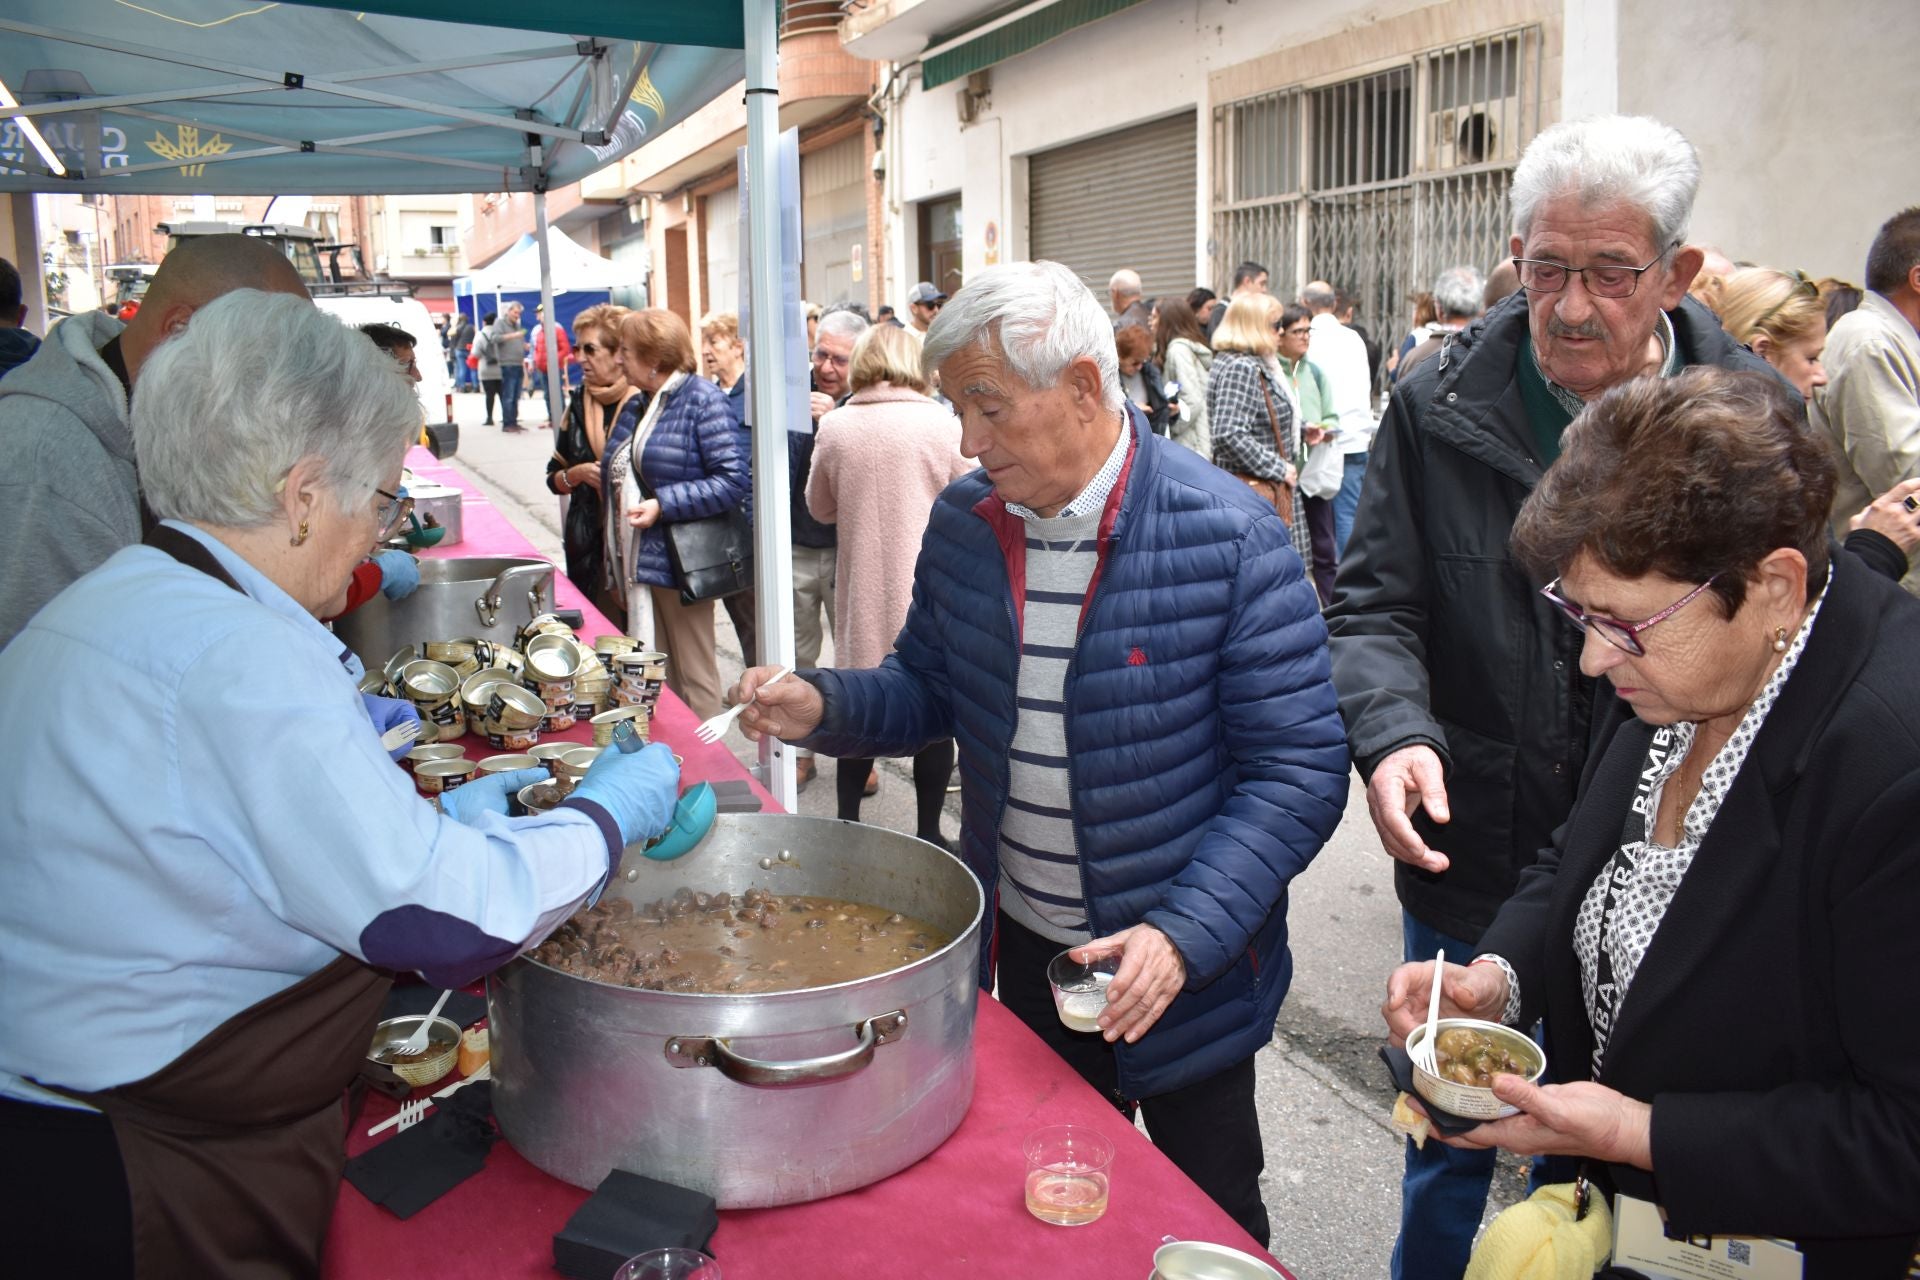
(1379, 182)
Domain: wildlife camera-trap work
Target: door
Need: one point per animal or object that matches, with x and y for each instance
(940, 236)
(1123, 199)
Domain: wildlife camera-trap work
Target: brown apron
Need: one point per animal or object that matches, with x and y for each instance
(233, 1150)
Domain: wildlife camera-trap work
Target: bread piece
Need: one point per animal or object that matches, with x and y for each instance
(475, 1049)
(1405, 1118)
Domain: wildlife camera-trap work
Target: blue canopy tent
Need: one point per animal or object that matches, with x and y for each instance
(580, 279)
(199, 97)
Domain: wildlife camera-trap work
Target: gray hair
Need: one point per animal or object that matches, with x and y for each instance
(1039, 316)
(841, 324)
(256, 383)
(1319, 297)
(1459, 293)
(1606, 160)
(1125, 282)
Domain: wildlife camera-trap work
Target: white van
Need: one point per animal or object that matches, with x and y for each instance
(410, 314)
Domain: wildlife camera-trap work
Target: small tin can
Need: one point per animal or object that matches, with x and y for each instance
(604, 722)
(430, 751)
(478, 687)
(546, 624)
(451, 652)
(506, 763)
(607, 648)
(552, 657)
(549, 753)
(374, 682)
(574, 765)
(539, 797)
(434, 690)
(437, 776)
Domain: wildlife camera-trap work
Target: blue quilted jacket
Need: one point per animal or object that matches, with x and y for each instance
(698, 462)
(1209, 762)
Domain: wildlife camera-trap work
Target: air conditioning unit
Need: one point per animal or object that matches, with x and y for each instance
(1460, 137)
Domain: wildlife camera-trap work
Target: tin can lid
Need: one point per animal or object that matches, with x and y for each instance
(426, 678)
(445, 768)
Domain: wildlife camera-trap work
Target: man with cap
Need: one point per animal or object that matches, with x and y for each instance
(924, 304)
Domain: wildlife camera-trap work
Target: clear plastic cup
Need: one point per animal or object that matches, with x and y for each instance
(1080, 989)
(669, 1264)
(1068, 1169)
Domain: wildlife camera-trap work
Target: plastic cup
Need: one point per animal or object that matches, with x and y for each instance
(669, 1264)
(1080, 989)
(1068, 1167)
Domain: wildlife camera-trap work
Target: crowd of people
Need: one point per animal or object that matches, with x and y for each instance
(1604, 606)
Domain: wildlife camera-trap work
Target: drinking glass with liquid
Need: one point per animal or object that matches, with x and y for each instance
(1067, 1174)
(1080, 988)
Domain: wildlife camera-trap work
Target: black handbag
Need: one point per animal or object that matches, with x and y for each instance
(711, 557)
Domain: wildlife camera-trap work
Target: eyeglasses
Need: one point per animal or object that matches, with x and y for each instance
(822, 356)
(1803, 288)
(1624, 636)
(1606, 281)
(392, 513)
(1298, 331)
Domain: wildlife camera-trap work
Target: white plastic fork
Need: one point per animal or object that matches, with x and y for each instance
(1430, 1056)
(710, 730)
(422, 1034)
(414, 1110)
(401, 734)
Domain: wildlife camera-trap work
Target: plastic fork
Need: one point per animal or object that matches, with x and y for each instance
(422, 1034)
(400, 735)
(711, 730)
(415, 1110)
(1429, 1056)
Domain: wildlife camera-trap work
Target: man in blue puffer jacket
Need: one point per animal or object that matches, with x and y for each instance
(1122, 640)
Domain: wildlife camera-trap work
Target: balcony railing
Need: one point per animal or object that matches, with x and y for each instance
(808, 17)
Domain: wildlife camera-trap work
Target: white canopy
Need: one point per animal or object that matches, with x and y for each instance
(574, 267)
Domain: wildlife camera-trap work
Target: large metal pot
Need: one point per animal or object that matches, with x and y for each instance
(758, 1099)
(488, 598)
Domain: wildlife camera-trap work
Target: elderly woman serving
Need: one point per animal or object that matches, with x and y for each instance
(212, 866)
(1713, 936)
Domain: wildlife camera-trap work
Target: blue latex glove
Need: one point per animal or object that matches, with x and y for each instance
(388, 712)
(638, 790)
(399, 574)
(487, 794)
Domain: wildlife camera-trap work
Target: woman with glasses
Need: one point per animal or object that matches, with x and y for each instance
(1781, 318)
(213, 867)
(1714, 934)
(573, 469)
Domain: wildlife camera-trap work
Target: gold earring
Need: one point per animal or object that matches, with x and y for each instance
(301, 537)
(1779, 639)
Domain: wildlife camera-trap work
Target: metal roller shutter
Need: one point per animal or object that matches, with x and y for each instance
(1123, 199)
(723, 250)
(833, 214)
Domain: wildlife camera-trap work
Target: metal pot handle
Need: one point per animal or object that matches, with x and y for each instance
(488, 605)
(708, 1051)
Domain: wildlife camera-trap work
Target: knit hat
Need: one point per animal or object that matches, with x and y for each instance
(1538, 1239)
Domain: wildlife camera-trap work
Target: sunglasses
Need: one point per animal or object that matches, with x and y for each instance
(1803, 287)
(592, 348)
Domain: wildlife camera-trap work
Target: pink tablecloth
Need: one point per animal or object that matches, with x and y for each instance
(959, 1212)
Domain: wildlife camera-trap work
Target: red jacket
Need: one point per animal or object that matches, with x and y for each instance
(537, 346)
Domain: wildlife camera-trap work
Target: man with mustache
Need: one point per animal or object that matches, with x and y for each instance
(1465, 708)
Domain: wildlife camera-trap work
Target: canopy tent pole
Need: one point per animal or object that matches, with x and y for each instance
(549, 341)
(772, 527)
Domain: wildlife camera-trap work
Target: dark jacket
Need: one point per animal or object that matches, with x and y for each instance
(1156, 407)
(1440, 638)
(1768, 1023)
(807, 532)
(16, 348)
(584, 532)
(1208, 761)
(694, 463)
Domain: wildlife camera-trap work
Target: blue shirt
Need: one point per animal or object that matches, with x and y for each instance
(198, 814)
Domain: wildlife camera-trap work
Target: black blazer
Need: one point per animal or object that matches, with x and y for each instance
(1772, 1023)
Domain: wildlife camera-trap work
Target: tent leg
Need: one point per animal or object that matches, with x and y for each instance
(772, 530)
(556, 376)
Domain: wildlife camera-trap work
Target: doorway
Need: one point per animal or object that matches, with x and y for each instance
(940, 236)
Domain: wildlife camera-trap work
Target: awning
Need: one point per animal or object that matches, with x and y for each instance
(212, 96)
(572, 267)
(1005, 38)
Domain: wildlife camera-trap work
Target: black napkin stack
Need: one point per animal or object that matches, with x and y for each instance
(629, 1214)
(735, 796)
(416, 1166)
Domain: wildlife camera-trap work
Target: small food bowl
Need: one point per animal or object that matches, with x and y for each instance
(1204, 1260)
(539, 797)
(1474, 1102)
(435, 777)
(443, 1047)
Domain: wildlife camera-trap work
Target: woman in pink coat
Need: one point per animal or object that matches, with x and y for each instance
(880, 461)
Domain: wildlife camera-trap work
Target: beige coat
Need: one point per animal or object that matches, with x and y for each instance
(1871, 405)
(880, 461)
